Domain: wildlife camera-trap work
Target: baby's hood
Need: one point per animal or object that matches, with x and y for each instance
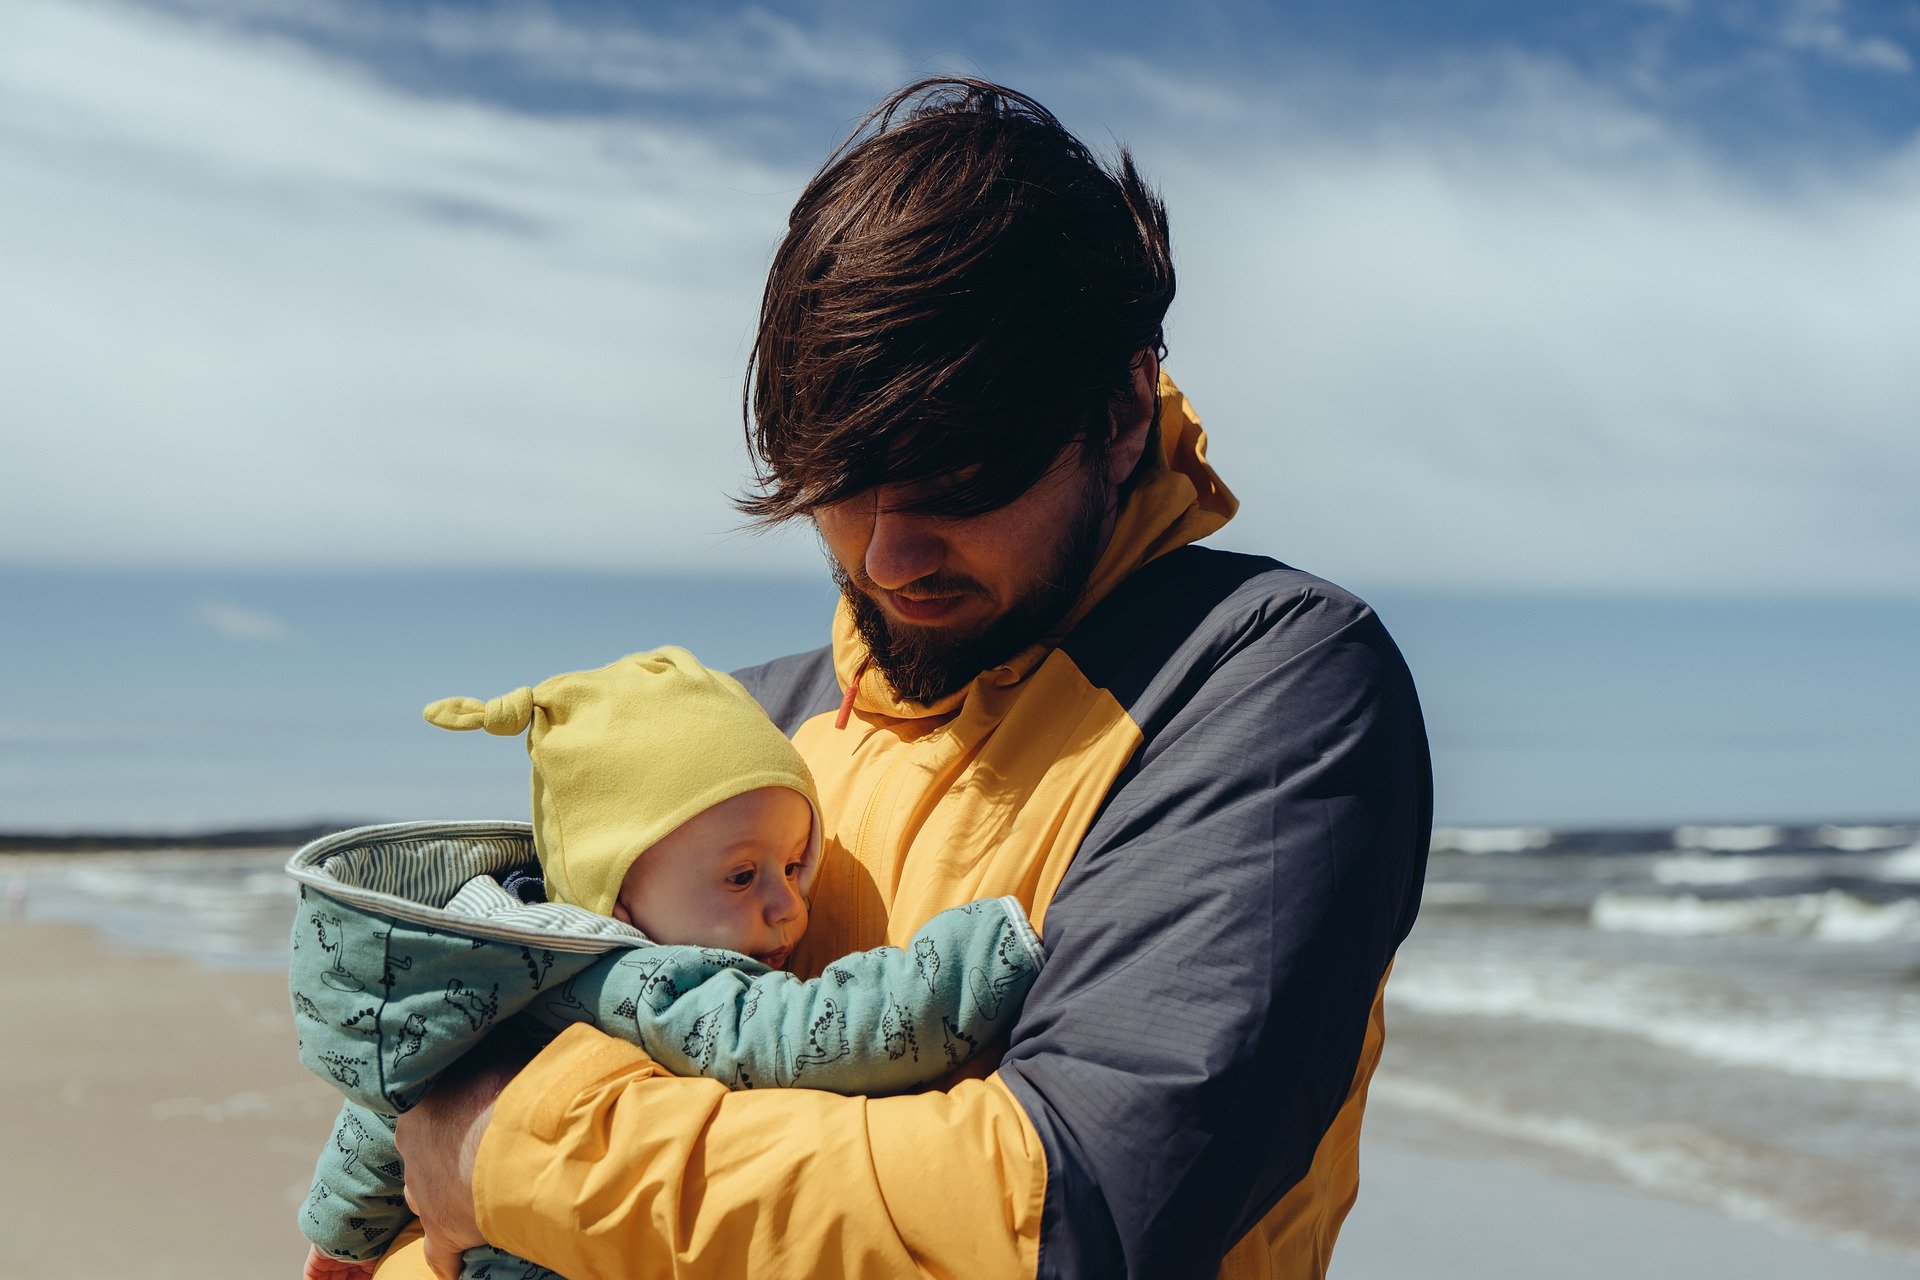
(407, 951)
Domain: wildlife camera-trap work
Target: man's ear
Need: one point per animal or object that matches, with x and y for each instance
(1134, 425)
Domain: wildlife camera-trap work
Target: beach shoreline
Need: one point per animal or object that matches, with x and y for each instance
(172, 1132)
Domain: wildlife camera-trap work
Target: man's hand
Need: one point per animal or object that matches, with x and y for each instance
(439, 1140)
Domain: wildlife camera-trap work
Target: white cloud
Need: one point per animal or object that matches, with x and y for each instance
(277, 312)
(1818, 27)
(237, 621)
(1486, 327)
(1558, 349)
(745, 54)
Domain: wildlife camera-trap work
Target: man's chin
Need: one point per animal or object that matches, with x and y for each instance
(923, 662)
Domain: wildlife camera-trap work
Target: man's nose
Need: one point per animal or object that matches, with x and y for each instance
(903, 548)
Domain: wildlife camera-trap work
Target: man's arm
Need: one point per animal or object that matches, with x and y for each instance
(1214, 952)
(1219, 942)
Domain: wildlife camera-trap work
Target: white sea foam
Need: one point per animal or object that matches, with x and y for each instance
(1832, 916)
(1901, 864)
(1490, 839)
(219, 908)
(131, 882)
(1726, 839)
(1699, 868)
(1669, 1159)
(1862, 839)
(1838, 1035)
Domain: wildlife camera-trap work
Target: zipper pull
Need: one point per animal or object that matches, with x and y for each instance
(853, 691)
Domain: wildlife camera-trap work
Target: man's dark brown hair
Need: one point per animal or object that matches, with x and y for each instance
(964, 290)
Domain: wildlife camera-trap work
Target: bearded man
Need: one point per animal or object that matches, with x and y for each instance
(1203, 773)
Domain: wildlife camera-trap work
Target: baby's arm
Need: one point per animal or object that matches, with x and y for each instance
(880, 1021)
(357, 1204)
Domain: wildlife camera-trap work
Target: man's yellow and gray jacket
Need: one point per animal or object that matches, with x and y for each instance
(1212, 794)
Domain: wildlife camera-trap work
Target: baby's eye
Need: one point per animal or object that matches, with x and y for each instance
(741, 879)
(793, 869)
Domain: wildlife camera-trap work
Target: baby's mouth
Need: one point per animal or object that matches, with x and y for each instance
(775, 959)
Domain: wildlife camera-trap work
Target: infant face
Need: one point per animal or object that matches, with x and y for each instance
(725, 878)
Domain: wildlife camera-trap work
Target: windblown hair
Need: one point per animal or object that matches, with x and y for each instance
(964, 290)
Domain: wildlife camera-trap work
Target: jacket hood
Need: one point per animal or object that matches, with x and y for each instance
(1179, 499)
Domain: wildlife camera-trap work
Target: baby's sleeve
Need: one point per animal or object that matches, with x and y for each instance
(875, 1022)
(357, 1205)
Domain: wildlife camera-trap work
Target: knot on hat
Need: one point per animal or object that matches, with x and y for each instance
(504, 716)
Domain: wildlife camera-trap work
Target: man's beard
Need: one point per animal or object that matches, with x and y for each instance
(925, 664)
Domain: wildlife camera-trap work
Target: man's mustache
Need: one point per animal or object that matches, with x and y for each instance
(932, 586)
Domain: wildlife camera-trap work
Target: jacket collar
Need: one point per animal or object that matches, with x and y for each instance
(1179, 500)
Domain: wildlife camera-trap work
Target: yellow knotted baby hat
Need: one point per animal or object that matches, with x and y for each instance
(625, 753)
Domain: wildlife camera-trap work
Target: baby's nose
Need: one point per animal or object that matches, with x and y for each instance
(785, 905)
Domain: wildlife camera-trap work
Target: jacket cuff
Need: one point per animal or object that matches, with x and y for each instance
(532, 1110)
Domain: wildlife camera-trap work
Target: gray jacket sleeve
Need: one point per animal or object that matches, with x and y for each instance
(1216, 946)
(876, 1022)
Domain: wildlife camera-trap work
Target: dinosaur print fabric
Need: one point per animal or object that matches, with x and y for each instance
(407, 952)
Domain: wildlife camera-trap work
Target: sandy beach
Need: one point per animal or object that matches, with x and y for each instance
(160, 1126)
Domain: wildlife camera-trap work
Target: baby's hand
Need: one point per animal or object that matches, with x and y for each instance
(321, 1267)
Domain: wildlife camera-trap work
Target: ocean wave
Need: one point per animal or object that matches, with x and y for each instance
(1704, 868)
(1832, 916)
(1862, 839)
(217, 908)
(1900, 865)
(1491, 839)
(176, 886)
(1727, 839)
(1815, 1033)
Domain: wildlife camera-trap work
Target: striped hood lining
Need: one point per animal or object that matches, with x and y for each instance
(431, 873)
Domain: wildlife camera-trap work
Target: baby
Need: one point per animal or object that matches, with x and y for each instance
(677, 835)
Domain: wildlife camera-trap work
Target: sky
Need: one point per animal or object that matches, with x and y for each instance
(1599, 297)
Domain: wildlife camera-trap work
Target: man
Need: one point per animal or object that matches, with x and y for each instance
(1205, 774)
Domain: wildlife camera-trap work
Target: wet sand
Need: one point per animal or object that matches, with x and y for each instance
(1439, 1203)
(158, 1125)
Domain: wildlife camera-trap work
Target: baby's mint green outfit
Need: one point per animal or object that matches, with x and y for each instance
(407, 951)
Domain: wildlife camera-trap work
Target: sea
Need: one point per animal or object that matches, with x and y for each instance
(1671, 925)
(154, 702)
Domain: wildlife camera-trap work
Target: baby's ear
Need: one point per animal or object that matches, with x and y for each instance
(621, 913)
